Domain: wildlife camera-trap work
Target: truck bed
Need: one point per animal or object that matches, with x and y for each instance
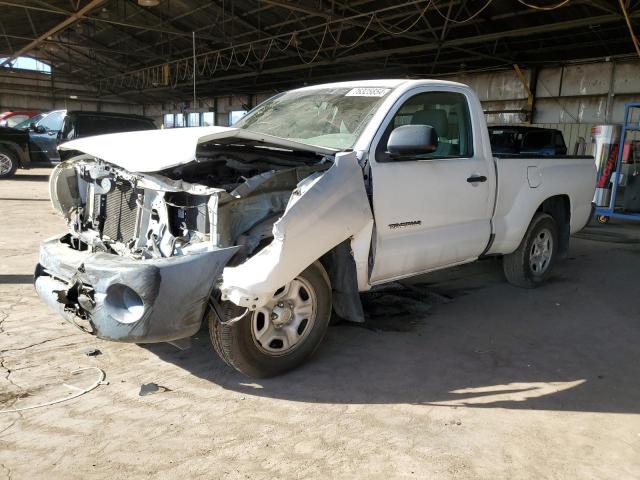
(546, 177)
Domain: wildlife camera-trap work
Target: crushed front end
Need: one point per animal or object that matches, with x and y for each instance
(145, 251)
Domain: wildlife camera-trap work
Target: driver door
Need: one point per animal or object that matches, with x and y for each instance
(45, 144)
(431, 210)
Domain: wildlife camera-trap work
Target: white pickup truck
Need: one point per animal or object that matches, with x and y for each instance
(267, 228)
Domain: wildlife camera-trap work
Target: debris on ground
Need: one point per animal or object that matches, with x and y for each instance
(91, 351)
(151, 388)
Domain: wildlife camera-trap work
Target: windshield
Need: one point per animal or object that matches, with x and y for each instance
(327, 117)
(31, 120)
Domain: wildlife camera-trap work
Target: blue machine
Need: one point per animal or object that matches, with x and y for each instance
(603, 214)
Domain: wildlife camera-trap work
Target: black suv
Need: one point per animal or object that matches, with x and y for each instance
(37, 139)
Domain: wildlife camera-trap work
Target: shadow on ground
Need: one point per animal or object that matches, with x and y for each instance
(21, 177)
(16, 279)
(15, 199)
(474, 341)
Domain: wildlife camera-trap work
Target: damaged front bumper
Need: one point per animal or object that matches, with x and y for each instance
(128, 300)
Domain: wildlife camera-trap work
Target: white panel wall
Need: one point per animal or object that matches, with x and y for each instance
(24, 90)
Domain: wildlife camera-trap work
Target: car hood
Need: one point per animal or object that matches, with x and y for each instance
(156, 150)
(20, 137)
(12, 131)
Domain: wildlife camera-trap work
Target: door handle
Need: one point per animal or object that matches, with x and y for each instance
(476, 178)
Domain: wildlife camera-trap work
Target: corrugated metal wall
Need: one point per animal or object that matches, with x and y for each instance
(593, 93)
(572, 98)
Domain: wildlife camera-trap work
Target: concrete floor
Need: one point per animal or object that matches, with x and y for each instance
(477, 380)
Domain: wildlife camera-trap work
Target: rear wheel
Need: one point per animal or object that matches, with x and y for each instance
(8, 163)
(282, 334)
(531, 264)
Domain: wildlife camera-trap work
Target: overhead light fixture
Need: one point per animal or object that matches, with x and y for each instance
(73, 97)
(148, 3)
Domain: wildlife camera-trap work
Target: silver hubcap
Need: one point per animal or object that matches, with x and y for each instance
(5, 164)
(280, 326)
(541, 251)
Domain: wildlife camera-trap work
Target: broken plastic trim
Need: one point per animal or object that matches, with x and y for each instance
(323, 211)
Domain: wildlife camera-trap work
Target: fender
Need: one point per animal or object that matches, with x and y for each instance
(324, 210)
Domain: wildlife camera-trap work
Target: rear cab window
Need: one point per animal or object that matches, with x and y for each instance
(537, 140)
(504, 140)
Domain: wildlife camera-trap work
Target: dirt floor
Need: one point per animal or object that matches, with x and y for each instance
(465, 378)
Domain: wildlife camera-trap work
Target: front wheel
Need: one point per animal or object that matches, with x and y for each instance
(530, 265)
(8, 163)
(282, 334)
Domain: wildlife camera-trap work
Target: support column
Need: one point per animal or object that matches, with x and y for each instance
(530, 98)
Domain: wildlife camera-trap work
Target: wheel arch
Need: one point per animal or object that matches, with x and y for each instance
(21, 153)
(511, 227)
(340, 266)
(559, 207)
(325, 211)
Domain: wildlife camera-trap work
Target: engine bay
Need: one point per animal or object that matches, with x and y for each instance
(229, 196)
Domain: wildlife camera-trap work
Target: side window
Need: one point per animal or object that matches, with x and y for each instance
(53, 121)
(134, 125)
(447, 112)
(87, 125)
(114, 125)
(68, 132)
(537, 140)
(16, 119)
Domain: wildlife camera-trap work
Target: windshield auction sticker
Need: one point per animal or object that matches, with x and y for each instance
(367, 92)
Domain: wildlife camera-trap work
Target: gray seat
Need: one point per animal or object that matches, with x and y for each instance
(438, 119)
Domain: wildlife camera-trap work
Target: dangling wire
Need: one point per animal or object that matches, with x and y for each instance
(341, 45)
(326, 28)
(537, 7)
(245, 58)
(177, 72)
(452, 20)
(391, 32)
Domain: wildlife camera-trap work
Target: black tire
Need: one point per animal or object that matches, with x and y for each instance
(7, 155)
(517, 265)
(235, 344)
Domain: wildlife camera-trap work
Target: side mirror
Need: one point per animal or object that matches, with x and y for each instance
(412, 140)
(39, 129)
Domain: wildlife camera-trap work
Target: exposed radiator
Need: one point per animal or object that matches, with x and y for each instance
(120, 211)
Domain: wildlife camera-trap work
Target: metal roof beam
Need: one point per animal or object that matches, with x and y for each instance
(552, 27)
(92, 5)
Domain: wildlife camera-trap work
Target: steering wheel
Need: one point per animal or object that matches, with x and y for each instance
(333, 128)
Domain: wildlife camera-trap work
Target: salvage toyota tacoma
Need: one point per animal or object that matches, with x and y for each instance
(267, 229)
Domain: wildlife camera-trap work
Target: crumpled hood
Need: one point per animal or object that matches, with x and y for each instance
(155, 150)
